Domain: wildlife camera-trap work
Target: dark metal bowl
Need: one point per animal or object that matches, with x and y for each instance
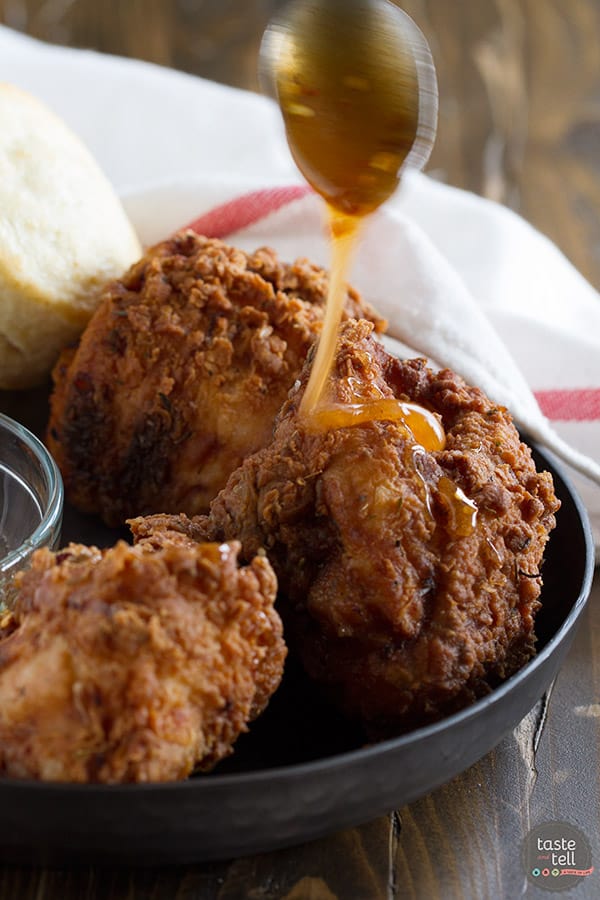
(301, 771)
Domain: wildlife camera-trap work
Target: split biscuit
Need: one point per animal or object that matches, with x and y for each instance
(63, 234)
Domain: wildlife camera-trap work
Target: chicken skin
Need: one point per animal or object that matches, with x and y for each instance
(409, 578)
(180, 374)
(135, 663)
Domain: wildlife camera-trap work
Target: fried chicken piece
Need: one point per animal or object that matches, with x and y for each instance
(180, 374)
(135, 663)
(401, 611)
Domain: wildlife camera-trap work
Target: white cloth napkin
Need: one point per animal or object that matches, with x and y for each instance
(460, 279)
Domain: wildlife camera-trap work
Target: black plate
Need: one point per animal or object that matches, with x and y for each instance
(301, 771)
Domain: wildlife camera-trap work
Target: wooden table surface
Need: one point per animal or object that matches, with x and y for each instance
(519, 122)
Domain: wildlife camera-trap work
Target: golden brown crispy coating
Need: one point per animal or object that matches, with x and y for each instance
(135, 663)
(180, 374)
(396, 613)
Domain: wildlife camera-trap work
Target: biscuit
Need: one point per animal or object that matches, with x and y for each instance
(63, 234)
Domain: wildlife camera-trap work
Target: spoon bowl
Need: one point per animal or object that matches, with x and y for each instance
(357, 89)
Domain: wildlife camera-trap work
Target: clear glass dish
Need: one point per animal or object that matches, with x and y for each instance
(31, 500)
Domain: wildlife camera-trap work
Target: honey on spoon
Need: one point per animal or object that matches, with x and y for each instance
(357, 90)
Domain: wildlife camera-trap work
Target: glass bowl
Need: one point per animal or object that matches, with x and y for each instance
(31, 500)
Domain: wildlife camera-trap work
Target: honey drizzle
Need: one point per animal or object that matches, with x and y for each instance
(344, 236)
(462, 512)
(420, 424)
(319, 415)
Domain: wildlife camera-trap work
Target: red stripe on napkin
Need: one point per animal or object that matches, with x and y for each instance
(578, 405)
(246, 210)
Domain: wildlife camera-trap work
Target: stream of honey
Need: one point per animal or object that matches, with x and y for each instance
(321, 414)
(345, 231)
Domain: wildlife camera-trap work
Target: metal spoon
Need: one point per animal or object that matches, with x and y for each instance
(357, 89)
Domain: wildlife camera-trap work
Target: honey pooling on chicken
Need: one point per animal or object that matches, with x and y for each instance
(409, 579)
(180, 374)
(135, 663)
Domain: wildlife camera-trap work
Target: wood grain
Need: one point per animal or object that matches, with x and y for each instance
(519, 123)
(465, 839)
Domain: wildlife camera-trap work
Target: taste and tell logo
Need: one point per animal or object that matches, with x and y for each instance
(556, 856)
